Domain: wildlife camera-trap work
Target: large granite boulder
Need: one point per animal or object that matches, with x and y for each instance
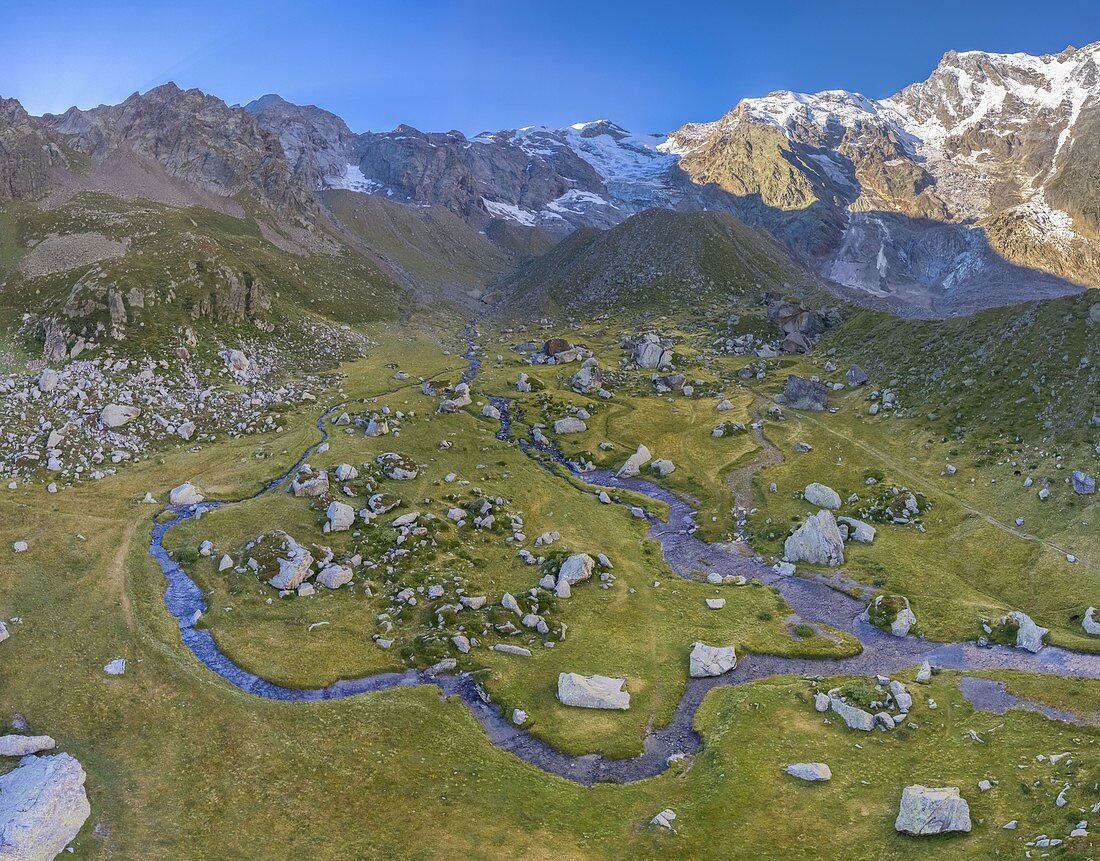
(185, 494)
(817, 541)
(811, 771)
(589, 379)
(281, 560)
(853, 716)
(634, 463)
(856, 376)
(803, 394)
(929, 810)
(43, 806)
(821, 496)
(22, 745)
(711, 660)
(1091, 623)
(340, 516)
(650, 352)
(1029, 636)
(116, 415)
(1083, 483)
(593, 692)
(859, 531)
(569, 424)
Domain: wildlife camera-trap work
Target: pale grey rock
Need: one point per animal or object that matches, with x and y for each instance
(711, 660)
(810, 771)
(853, 716)
(117, 667)
(1091, 623)
(859, 531)
(928, 810)
(334, 576)
(568, 425)
(43, 806)
(340, 516)
(821, 496)
(817, 541)
(593, 692)
(634, 463)
(1083, 483)
(22, 745)
(185, 494)
(663, 467)
(1029, 636)
(117, 415)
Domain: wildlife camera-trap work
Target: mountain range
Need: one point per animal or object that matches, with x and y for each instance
(973, 189)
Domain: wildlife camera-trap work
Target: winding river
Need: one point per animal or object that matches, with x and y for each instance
(813, 600)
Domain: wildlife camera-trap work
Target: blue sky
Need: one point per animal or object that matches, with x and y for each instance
(475, 65)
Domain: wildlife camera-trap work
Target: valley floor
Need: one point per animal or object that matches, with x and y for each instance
(181, 764)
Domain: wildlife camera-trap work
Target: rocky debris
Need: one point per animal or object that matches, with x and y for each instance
(817, 541)
(810, 771)
(43, 806)
(634, 463)
(340, 516)
(890, 613)
(711, 660)
(856, 376)
(569, 424)
(928, 810)
(593, 692)
(589, 379)
(117, 415)
(523, 382)
(663, 467)
(23, 745)
(490, 412)
(802, 394)
(1083, 483)
(185, 494)
(397, 466)
(859, 531)
(664, 819)
(313, 486)
(1090, 622)
(821, 496)
(650, 351)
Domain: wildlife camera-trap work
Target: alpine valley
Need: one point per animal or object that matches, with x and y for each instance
(575, 493)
